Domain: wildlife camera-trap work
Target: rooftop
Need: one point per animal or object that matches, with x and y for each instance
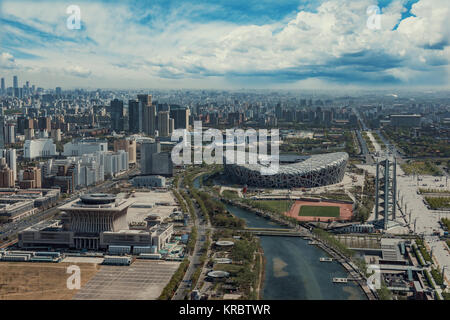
(313, 163)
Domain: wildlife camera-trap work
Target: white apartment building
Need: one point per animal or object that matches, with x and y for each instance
(81, 147)
(39, 148)
(114, 162)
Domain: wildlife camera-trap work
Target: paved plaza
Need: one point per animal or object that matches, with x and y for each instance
(142, 280)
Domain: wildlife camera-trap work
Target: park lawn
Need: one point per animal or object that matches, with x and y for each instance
(230, 194)
(438, 202)
(421, 167)
(319, 211)
(277, 206)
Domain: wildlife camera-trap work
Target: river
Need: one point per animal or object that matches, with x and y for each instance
(293, 270)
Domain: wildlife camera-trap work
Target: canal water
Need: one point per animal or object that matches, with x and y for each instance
(293, 270)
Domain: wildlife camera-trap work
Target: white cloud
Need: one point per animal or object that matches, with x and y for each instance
(7, 61)
(78, 71)
(330, 43)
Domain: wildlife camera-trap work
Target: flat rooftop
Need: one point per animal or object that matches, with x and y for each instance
(149, 204)
(79, 205)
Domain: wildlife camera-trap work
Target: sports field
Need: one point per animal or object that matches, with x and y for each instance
(319, 211)
(324, 211)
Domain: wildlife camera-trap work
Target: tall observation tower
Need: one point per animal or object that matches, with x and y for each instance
(385, 193)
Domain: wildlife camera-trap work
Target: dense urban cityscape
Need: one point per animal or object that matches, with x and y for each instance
(203, 152)
(87, 177)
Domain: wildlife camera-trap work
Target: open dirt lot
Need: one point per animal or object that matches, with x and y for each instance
(40, 281)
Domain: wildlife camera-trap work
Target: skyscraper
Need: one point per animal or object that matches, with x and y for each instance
(145, 101)
(3, 89)
(153, 161)
(10, 133)
(117, 115)
(16, 91)
(11, 159)
(163, 123)
(6, 175)
(2, 132)
(134, 116)
(148, 151)
(278, 111)
(180, 116)
(151, 118)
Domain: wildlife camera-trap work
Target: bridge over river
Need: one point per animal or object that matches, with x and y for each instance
(278, 232)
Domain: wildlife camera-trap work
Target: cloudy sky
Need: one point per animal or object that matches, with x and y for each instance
(227, 44)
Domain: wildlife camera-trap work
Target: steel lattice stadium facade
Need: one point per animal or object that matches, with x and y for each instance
(315, 171)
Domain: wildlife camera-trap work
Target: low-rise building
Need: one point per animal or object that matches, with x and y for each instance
(94, 221)
(149, 181)
(11, 211)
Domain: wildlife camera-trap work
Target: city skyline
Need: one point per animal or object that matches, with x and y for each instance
(227, 45)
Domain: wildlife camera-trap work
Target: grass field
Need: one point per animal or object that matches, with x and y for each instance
(276, 206)
(319, 211)
(421, 167)
(438, 202)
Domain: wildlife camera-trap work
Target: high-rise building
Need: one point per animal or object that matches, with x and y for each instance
(163, 123)
(151, 118)
(147, 126)
(117, 115)
(3, 87)
(11, 159)
(31, 178)
(148, 150)
(15, 82)
(146, 99)
(7, 179)
(134, 116)
(10, 133)
(153, 161)
(162, 164)
(44, 123)
(128, 146)
(171, 125)
(279, 111)
(2, 132)
(180, 115)
(55, 134)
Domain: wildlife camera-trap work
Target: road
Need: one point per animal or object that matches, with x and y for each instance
(194, 258)
(362, 142)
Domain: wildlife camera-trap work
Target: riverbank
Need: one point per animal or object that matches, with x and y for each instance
(279, 265)
(291, 267)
